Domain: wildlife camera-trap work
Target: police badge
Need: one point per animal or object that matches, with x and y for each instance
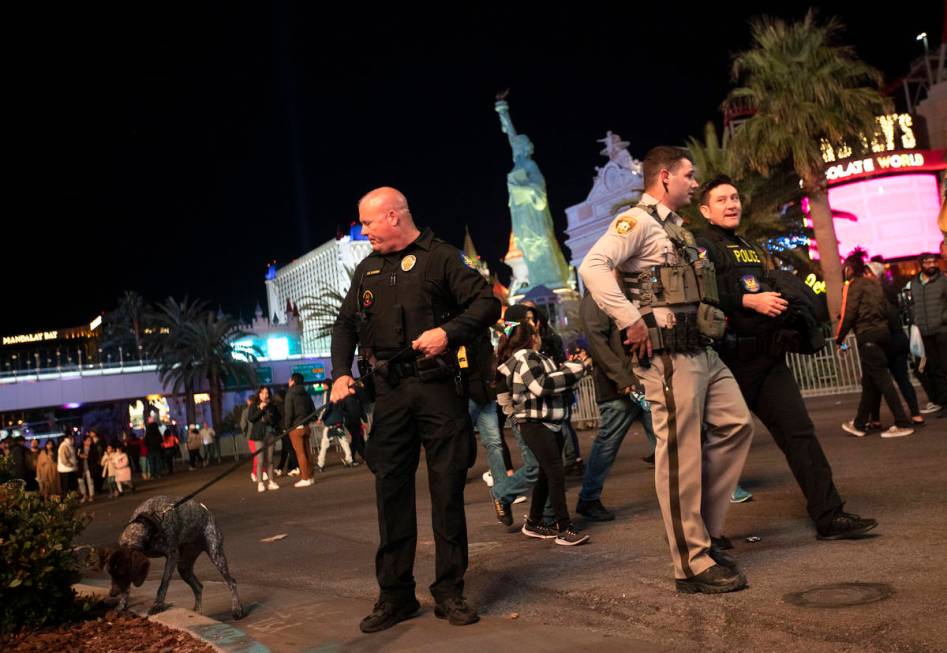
(407, 263)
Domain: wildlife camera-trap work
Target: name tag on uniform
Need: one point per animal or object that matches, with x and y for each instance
(371, 272)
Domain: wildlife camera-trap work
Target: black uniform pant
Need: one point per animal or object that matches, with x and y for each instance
(409, 414)
(772, 394)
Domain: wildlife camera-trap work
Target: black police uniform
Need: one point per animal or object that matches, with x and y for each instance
(393, 299)
(754, 352)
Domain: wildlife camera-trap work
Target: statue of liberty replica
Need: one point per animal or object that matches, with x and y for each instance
(534, 255)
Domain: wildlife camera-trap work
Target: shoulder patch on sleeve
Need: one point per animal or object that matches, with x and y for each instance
(469, 262)
(624, 223)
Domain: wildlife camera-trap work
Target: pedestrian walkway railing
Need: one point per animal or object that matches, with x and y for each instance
(829, 372)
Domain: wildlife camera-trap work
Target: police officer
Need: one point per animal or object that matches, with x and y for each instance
(664, 305)
(412, 303)
(755, 350)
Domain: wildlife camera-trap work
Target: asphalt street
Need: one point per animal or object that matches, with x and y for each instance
(308, 590)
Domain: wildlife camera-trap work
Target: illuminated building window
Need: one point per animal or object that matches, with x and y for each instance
(277, 348)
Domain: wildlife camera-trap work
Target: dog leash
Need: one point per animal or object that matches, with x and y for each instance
(267, 442)
(358, 383)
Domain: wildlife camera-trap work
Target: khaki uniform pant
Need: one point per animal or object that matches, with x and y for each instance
(694, 479)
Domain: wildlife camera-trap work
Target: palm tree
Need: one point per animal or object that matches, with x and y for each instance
(166, 347)
(771, 203)
(195, 351)
(324, 308)
(208, 342)
(805, 88)
(126, 326)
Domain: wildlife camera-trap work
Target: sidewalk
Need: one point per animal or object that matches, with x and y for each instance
(289, 621)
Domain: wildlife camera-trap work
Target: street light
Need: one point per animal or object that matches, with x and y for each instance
(100, 358)
(922, 37)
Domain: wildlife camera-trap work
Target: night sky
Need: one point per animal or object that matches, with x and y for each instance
(176, 151)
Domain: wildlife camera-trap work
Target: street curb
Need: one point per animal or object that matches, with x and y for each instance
(221, 637)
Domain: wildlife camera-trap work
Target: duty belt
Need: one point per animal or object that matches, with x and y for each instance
(683, 337)
(426, 369)
(746, 348)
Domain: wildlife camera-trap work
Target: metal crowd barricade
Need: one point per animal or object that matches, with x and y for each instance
(585, 412)
(824, 374)
(829, 372)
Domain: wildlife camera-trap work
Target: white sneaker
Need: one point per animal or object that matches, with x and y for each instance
(931, 407)
(265, 477)
(850, 428)
(294, 471)
(272, 486)
(260, 487)
(896, 432)
(487, 478)
(253, 476)
(303, 483)
(277, 472)
(520, 499)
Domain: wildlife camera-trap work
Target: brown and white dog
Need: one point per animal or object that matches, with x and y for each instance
(179, 535)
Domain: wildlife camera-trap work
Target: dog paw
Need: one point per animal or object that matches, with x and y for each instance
(158, 607)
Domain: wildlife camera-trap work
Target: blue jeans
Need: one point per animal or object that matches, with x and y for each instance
(617, 417)
(505, 488)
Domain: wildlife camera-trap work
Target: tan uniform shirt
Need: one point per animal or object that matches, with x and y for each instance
(633, 243)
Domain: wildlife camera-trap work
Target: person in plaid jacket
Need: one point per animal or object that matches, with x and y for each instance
(531, 389)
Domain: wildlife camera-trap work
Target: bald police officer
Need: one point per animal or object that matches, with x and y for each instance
(413, 302)
(664, 303)
(755, 350)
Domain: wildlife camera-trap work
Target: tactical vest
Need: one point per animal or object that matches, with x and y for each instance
(687, 282)
(393, 300)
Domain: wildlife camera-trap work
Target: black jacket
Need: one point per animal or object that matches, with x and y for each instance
(153, 438)
(929, 304)
(261, 419)
(297, 406)
(612, 369)
(744, 269)
(865, 309)
(18, 455)
(395, 297)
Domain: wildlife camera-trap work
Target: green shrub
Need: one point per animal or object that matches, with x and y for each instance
(37, 564)
(6, 468)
